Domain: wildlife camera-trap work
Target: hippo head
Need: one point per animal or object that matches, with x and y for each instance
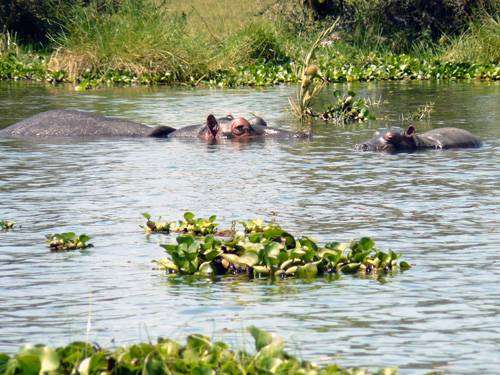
(390, 141)
(241, 129)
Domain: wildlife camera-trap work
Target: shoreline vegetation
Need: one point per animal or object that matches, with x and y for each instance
(199, 355)
(227, 44)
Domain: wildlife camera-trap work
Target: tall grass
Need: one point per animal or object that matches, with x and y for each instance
(480, 44)
(161, 38)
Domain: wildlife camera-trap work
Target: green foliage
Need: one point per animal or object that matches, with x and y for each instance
(401, 24)
(346, 109)
(266, 250)
(480, 44)
(156, 226)
(7, 224)
(423, 112)
(67, 241)
(142, 42)
(199, 355)
(32, 20)
(190, 224)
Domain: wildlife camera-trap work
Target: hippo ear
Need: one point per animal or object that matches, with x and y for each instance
(410, 131)
(211, 121)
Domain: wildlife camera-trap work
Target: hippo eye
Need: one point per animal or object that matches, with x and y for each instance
(238, 129)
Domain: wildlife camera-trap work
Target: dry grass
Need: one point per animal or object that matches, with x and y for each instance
(218, 19)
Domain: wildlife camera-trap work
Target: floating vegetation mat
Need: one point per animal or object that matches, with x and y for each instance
(7, 224)
(198, 356)
(345, 109)
(190, 224)
(67, 241)
(267, 250)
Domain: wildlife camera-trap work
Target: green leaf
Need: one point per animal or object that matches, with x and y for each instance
(49, 360)
(83, 238)
(206, 269)
(307, 271)
(189, 217)
(249, 258)
(202, 370)
(403, 265)
(146, 216)
(366, 243)
(308, 243)
(198, 343)
(261, 337)
(185, 239)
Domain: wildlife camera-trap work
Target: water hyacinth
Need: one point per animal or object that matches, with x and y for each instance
(346, 109)
(190, 224)
(67, 241)
(7, 224)
(199, 355)
(266, 250)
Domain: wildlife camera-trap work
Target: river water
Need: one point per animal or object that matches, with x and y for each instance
(439, 208)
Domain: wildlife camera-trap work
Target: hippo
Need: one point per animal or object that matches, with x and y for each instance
(238, 128)
(441, 138)
(74, 123)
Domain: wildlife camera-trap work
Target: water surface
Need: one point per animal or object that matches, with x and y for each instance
(440, 208)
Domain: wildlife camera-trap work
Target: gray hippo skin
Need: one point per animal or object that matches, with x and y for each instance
(229, 127)
(441, 138)
(72, 123)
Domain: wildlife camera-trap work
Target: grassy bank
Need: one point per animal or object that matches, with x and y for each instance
(233, 43)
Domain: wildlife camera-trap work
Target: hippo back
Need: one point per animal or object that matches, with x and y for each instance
(73, 123)
(448, 138)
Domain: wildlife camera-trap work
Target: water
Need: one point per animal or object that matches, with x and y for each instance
(441, 209)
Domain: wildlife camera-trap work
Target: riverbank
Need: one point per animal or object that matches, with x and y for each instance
(207, 43)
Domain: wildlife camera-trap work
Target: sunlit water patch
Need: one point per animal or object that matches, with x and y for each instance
(441, 209)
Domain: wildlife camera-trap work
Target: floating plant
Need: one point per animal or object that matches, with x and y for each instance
(67, 241)
(7, 224)
(266, 250)
(199, 355)
(190, 224)
(156, 226)
(346, 109)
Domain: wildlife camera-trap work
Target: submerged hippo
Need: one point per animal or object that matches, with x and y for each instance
(442, 138)
(234, 128)
(73, 123)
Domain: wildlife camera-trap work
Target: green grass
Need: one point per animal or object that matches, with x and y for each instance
(479, 45)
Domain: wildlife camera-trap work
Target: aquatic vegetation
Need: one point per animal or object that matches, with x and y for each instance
(67, 241)
(423, 112)
(311, 83)
(7, 224)
(346, 109)
(199, 355)
(266, 250)
(191, 224)
(156, 226)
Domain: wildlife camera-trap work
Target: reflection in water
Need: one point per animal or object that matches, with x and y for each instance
(439, 208)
